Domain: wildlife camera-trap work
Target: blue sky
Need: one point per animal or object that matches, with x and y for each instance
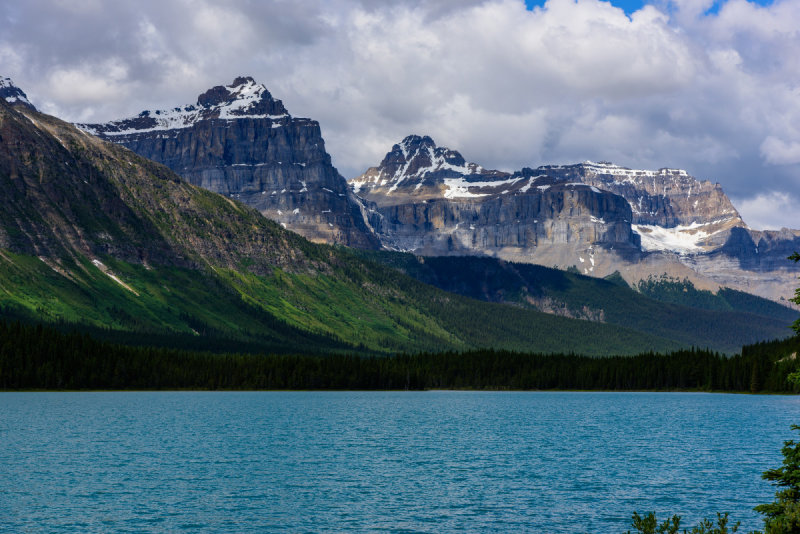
(629, 6)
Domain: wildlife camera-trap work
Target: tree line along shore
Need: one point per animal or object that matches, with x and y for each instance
(42, 357)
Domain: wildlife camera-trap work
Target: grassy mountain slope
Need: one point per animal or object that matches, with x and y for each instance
(92, 233)
(725, 321)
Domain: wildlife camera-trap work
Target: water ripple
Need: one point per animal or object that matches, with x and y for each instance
(382, 462)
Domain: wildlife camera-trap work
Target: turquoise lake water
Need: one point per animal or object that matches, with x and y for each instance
(386, 461)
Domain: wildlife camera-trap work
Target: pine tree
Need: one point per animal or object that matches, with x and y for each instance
(783, 515)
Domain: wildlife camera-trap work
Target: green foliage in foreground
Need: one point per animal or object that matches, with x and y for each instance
(796, 257)
(39, 357)
(650, 525)
(783, 515)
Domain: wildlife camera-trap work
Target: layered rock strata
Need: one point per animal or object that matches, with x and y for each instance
(239, 141)
(428, 199)
(598, 217)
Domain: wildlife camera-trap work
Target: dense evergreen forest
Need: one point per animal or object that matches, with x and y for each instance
(662, 306)
(42, 357)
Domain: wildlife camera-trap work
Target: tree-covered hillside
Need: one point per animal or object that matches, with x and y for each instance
(676, 310)
(91, 233)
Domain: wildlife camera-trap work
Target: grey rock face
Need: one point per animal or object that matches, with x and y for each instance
(666, 197)
(698, 212)
(674, 200)
(560, 215)
(763, 251)
(429, 199)
(239, 141)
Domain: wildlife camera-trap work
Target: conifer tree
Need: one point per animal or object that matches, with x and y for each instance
(783, 515)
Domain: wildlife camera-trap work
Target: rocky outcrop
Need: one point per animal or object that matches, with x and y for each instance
(672, 210)
(239, 141)
(13, 95)
(666, 197)
(428, 199)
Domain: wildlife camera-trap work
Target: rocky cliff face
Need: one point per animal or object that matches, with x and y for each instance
(672, 210)
(239, 141)
(666, 197)
(428, 199)
(676, 213)
(599, 217)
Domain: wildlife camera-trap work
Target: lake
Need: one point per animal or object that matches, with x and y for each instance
(438, 461)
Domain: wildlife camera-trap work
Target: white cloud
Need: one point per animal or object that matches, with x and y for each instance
(779, 152)
(671, 85)
(769, 211)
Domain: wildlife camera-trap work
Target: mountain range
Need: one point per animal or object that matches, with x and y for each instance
(93, 234)
(598, 217)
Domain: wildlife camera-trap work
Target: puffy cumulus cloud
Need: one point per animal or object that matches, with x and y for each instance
(169, 51)
(505, 85)
(671, 85)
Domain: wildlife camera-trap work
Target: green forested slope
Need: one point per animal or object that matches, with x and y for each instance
(684, 293)
(724, 321)
(90, 233)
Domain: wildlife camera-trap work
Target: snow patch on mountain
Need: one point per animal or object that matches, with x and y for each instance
(13, 94)
(682, 239)
(244, 99)
(460, 188)
(629, 175)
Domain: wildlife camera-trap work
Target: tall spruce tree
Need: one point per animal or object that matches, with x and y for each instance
(783, 515)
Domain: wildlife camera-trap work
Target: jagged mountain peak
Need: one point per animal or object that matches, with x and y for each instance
(244, 90)
(13, 94)
(240, 141)
(242, 99)
(417, 141)
(417, 166)
(424, 147)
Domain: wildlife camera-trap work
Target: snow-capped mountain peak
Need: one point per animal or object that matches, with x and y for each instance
(416, 162)
(243, 99)
(421, 156)
(13, 94)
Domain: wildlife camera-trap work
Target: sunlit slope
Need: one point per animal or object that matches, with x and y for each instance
(91, 233)
(673, 309)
